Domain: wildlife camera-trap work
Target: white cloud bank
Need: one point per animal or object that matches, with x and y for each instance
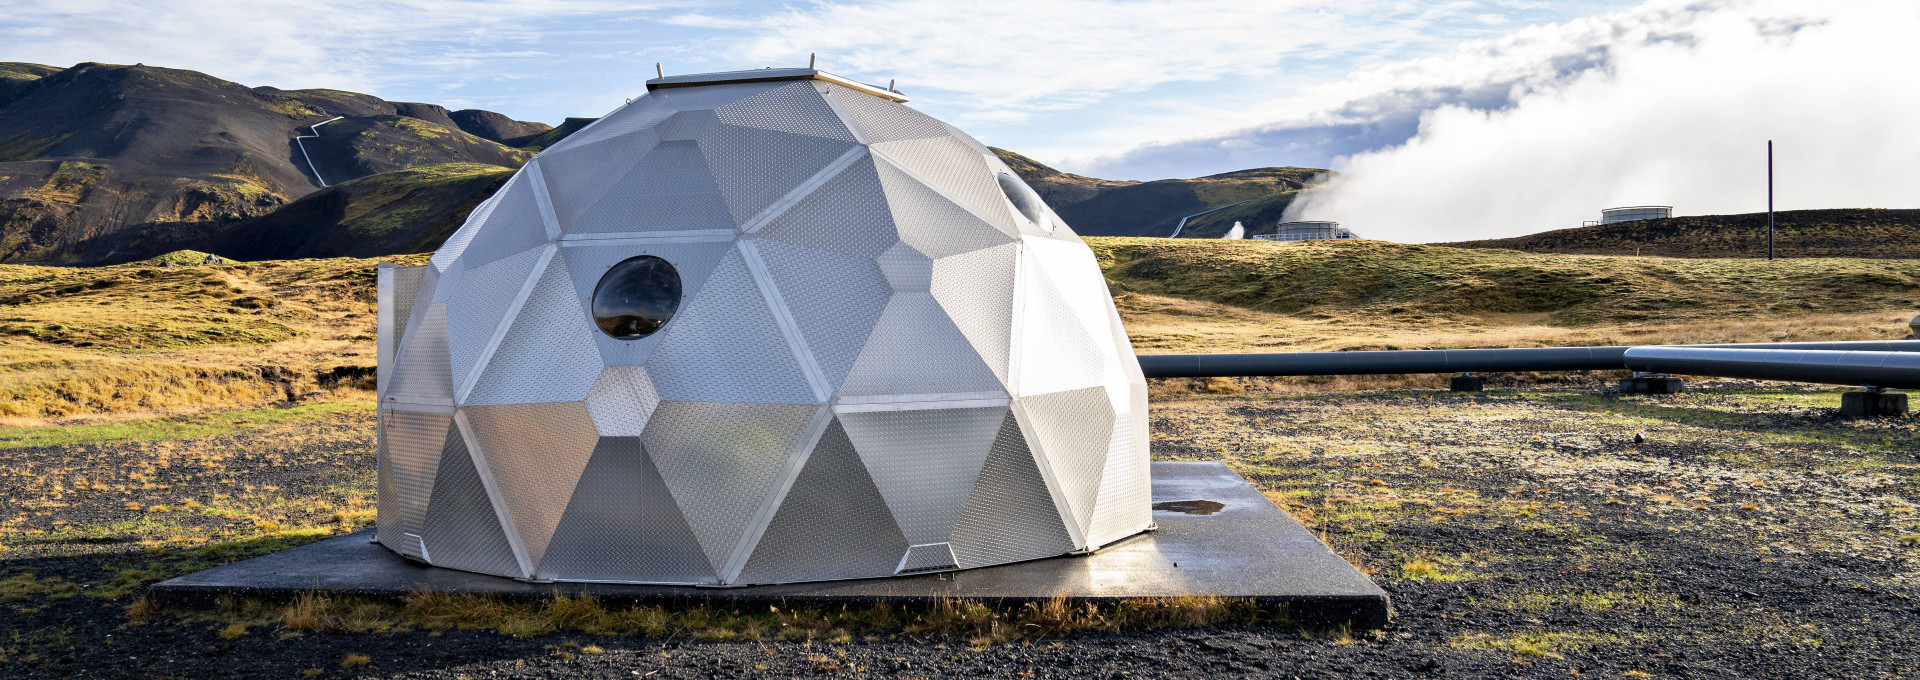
(1677, 113)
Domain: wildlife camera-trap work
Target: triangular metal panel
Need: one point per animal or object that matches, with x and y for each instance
(415, 440)
(710, 96)
(462, 529)
(881, 120)
(1125, 502)
(1010, 515)
(933, 224)
(925, 462)
(670, 189)
(588, 263)
(721, 461)
(579, 175)
(976, 289)
(456, 244)
(795, 108)
(478, 300)
(547, 354)
(930, 557)
(846, 214)
(535, 453)
(915, 349)
(956, 170)
(386, 506)
(514, 225)
(835, 300)
(1073, 272)
(686, 126)
(1074, 430)
(640, 114)
(907, 270)
(833, 523)
(622, 401)
(755, 167)
(724, 345)
(422, 375)
(1055, 351)
(622, 525)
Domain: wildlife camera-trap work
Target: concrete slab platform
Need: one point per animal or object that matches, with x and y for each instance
(1216, 535)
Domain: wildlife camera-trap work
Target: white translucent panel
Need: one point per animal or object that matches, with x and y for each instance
(535, 453)
(924, 461)
(721, 461)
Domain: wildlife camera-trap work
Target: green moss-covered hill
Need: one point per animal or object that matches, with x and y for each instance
(1797, 233)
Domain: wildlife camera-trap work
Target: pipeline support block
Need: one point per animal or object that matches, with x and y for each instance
(1652, 384)
(1873, 404)
(1467, 383)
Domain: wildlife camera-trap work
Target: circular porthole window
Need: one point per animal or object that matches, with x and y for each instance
(636, 297)
(1025, 200)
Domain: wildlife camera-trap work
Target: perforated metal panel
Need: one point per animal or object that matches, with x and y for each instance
(1009, 516)
(579, 175)
(724, 345)
(622, 525)
(834, 299)
(932, 223)
(907, 270)
(513, 226)
(924, 462)
(721, 460)
(422, 375)
(957, 171)
(833, 523)
(976, 290)
(794, 107)
(669, 189)
(477, 304)
(881, 120)
(915, 349)
(622, 401)
(535, 453)
(847, 214)
(547, 354)
(414, 442)
(462, 529)
(1074, 430)
(754, 167)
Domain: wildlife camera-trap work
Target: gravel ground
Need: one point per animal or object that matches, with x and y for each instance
(1735, 531)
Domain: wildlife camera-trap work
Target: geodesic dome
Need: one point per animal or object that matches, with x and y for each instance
(757, 327)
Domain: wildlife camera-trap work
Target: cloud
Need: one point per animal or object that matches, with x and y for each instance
(1676, 112)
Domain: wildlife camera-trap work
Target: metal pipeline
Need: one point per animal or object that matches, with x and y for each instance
(1458, 360)
(1867, 369)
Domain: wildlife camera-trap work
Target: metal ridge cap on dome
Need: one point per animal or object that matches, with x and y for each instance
(770, 74)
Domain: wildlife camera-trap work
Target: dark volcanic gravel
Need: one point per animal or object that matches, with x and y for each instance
(1749, 534)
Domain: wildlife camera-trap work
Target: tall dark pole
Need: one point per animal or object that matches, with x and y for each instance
(1769, 199)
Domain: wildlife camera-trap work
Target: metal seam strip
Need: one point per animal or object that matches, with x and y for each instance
(796, 461)
(859, 135)
(442, 407)
(493, 495)
(816, 378)
(935, 188)
(506, 323)
(707, 234)
(920, 405)
(1047, 475)
(780, 207)
(914, 398)
(1016, 322)
(541, 201)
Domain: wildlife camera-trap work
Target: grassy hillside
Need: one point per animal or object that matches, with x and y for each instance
(1101, 207)
(1214, 295)
(1797, 233)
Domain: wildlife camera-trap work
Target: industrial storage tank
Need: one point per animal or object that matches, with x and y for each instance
(1638, 212)
(757, 327)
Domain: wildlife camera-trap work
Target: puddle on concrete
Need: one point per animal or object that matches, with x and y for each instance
(1190, 507)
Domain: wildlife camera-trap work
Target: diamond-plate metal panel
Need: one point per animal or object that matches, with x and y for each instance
(456, 244)
(386, 505)
(622, 401)
(422, 374)
(933, 224)
(833, 524)
(477, 302)
(710, 96)
(1009, 516)
(847, 214)
(1075, 275)
(1056, 353)
(686, 126)
(670, 189)
(535, 453)
(622, 525)
(1074, 430)
(462, 529)
(907, 270)
(724, 345)
(579, 175)
(915, 349)
(923, 558)
(924, 462)
(397, 287)
(721, 460)
(754, 167)
(637, 115)
(513, 226)
(881, 120)
(834, 299)
(794, 107)
(957, 171)
(587, 263)
(414, 442)
(976, 290)
(547, 354)
(1124, 505)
